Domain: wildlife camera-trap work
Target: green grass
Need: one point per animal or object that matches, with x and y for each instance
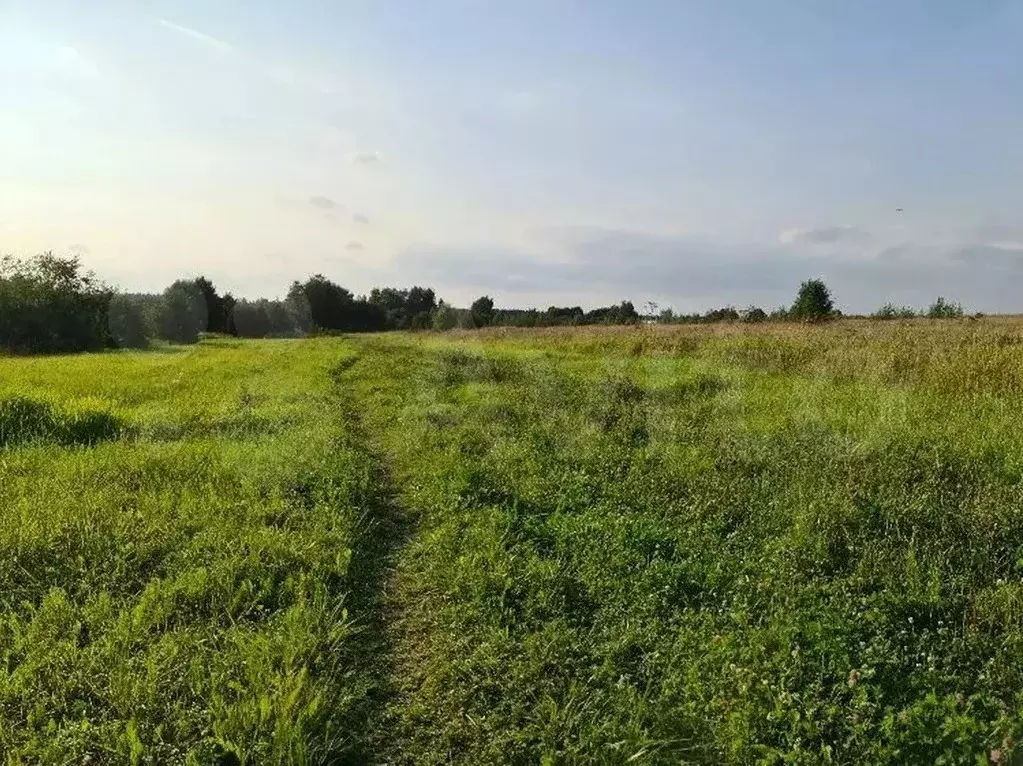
(649, 556)
(767, 544)
(180, 590)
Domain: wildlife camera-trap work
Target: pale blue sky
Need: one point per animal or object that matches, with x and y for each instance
(690, 153)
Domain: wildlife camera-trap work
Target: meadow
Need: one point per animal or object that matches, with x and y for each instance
(772, 543)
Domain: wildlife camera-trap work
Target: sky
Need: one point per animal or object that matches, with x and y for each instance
(692, 154)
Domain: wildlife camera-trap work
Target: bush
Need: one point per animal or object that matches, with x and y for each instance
(942, 309)
(49, 304)
(445, 317)
(724, 314)
(754, 315)
(891, 311)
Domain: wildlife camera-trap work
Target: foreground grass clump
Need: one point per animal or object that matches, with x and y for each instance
(27, 420)
(182, 557)
(632, 553)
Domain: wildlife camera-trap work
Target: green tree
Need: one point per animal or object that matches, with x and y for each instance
(753, 315)
(392, 302)
(319, 303)
(129, 326)
(282, 324)
(250, 319)
(445, 317)
(50, 304)
(813, 301)
(482, 311)
(218, 308)
(183, 314)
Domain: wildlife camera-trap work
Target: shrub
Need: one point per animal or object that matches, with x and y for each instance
(943, 309)
(891, 311)
(49, 304)
(754, 315)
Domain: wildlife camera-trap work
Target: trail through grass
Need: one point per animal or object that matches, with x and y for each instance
(772, 545)
(633, 557)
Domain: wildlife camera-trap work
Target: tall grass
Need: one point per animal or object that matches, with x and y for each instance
(177, 565)
(741, 544)
(738, 546)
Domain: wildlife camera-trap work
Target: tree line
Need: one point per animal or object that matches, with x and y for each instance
(51, 304)
(813, 303)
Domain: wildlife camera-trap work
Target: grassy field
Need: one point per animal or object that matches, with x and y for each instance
(772, 544)
(183, 550)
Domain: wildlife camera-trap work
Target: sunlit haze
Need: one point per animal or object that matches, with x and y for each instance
(693, 154)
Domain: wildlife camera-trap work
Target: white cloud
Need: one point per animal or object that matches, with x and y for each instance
(205, 39)
(353, 246)
(325, 203)
(363, 158)
(70, 60)
(321, 82)
(823, 235)
(359, 218)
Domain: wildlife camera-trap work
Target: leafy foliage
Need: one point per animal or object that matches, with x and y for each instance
(813, 301)
(754, 315)
(130, 326)
(943, 309)
(218, 308)
(891, 311)
(482, 311)
(183, 312)
(49, 304)
(404, 309)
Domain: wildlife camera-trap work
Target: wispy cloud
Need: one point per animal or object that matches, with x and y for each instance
(359, 218)
(198, 36)
(325, 203)
(71, 61)
(695, 273)
(363, 158)
(823, 235)
(353, 246)
(322, 83)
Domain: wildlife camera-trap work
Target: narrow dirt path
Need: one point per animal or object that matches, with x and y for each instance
(373, 566)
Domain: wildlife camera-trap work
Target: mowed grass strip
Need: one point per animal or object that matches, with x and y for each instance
(656, 554)
(177, 538)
